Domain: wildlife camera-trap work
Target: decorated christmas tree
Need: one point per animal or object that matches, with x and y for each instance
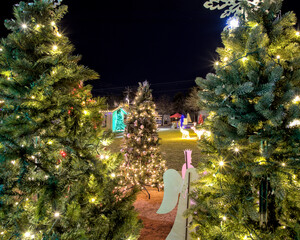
(143, 165)
(57, 181)
(249, 188)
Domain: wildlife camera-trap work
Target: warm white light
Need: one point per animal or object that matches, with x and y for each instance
(52, 23)
(297, 34)
(225, 59)
(32, 236)
(244, 59)
(221, 163)
(56, 214)
(58, 34)
(217, 63)
(93, 200)
(85, 112)
(24, 25)
(296, 99)
(2, 233)
(233, 23)
(13, 162)
(278, 57)
(224, 218)
(113, 175)
(1, 49)
(16, 203)
(27, 234)
(54, 47)
(236, 149)
(33, 97)
(50, 142)
(283, 164)
(294, 123)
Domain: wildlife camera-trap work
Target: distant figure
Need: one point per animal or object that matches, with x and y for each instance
(185, 133)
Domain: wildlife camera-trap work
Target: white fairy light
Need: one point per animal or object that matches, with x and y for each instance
(296, 99)
(56, 214)
(113, 175)
(221, 163)
(27, 234)
(24, 26)
(233, 23)
(294, 123)
(54, 47)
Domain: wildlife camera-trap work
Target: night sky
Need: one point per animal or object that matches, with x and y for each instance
(167, 42)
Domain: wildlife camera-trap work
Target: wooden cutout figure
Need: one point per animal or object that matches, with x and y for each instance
(175, 185)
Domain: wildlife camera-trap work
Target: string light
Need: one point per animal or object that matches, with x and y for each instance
(236, 149)
(13, 162)
(58, 34)
(283, 164)
(278, 57)
(224, 218)
(50, 142)
(54, 47)
(294, 123)
(244, 59)
(85, 112)
(53, 23)
(226, 59)
(221, 163)
(233, 23)
(27, 234)
(56, 214)
(1, 49)
(24, 25)
(217, 63)
(113, 175)
(296, 99)
(297, 34)
(93, 200)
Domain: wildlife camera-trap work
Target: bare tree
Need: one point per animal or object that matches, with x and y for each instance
(164, 106)
(191, 102)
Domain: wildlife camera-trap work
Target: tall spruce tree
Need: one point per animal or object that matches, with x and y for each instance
(143, 165)
(56, 179)
(249, 187)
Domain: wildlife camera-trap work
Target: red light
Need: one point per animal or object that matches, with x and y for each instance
(63, 153)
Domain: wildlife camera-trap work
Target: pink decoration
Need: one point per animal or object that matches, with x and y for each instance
(188, 162)
(142, 126)
(135, 123)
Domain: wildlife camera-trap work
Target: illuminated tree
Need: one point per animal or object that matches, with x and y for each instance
(143, 164)
(56, 179)
(249, 187)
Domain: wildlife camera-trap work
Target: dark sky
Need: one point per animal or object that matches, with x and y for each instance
(167, 42)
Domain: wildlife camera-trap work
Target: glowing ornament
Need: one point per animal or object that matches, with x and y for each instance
(63, 153)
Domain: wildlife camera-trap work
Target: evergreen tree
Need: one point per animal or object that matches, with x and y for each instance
(249, 187)
(57, 181)
(143, 164)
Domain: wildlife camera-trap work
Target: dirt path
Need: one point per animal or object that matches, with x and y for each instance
(156, 226)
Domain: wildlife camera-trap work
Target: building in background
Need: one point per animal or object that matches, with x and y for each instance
(114, 119)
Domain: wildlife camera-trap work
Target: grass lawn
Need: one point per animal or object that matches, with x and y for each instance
(172, 147)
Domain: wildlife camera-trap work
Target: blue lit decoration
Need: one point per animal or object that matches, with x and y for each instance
(181, 120)
(114, 119)
(118, 120)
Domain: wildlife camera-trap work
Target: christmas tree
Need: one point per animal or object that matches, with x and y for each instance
(57, 181)
(143, 165)
(249, 187)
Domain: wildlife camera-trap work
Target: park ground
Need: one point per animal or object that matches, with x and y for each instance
(157, 227)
